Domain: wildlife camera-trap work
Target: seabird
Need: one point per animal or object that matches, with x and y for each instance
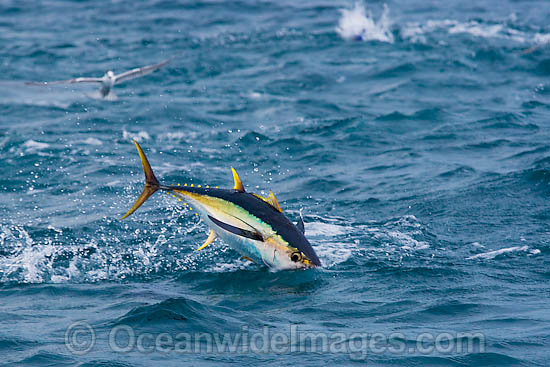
(109, 80)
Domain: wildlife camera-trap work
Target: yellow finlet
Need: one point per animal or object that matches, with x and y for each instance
(270, 199)
(238, 184)
(209, 240)
(274, 203)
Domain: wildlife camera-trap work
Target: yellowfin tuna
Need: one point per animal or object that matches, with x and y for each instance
(253, 225)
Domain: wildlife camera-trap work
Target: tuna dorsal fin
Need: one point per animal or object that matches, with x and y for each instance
(273, 202)
(238, 184)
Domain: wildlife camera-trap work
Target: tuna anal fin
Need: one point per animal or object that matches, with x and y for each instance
(209, 240)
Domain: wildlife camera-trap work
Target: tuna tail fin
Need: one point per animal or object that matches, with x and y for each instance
(151, 182)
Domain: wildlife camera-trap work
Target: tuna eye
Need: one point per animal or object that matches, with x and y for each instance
(296, 256)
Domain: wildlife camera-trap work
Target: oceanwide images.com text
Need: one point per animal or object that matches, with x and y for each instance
(81, 338)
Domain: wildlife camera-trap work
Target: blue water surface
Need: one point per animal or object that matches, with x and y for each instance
(414, 135)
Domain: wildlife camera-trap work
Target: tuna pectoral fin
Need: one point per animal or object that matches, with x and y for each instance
(209, 240)
(236, 230)
(151, 182)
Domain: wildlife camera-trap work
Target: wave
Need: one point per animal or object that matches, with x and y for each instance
(179, 313)
(45, 358)
(357, 24)
(427, 114)
(472, 359)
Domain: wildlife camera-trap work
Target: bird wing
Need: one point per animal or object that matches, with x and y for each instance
(68, 81)
(137, 72)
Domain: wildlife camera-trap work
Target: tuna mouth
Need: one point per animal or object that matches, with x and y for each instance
(309, 264)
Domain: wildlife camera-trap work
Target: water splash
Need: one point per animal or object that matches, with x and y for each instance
(336, 241)
(359, 25)
(167, 247)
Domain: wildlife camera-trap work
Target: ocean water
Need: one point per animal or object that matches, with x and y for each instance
(413, 135)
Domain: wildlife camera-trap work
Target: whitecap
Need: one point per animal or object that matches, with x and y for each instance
(495, 253)
(255, 95)
(477, 29)
(481, 30)
(175, 135)
(407, 242)
(541, 38)
(114, 183)
(416, 32)
(33, 145)
(139, 137)
(326, 229)
(92, 141)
